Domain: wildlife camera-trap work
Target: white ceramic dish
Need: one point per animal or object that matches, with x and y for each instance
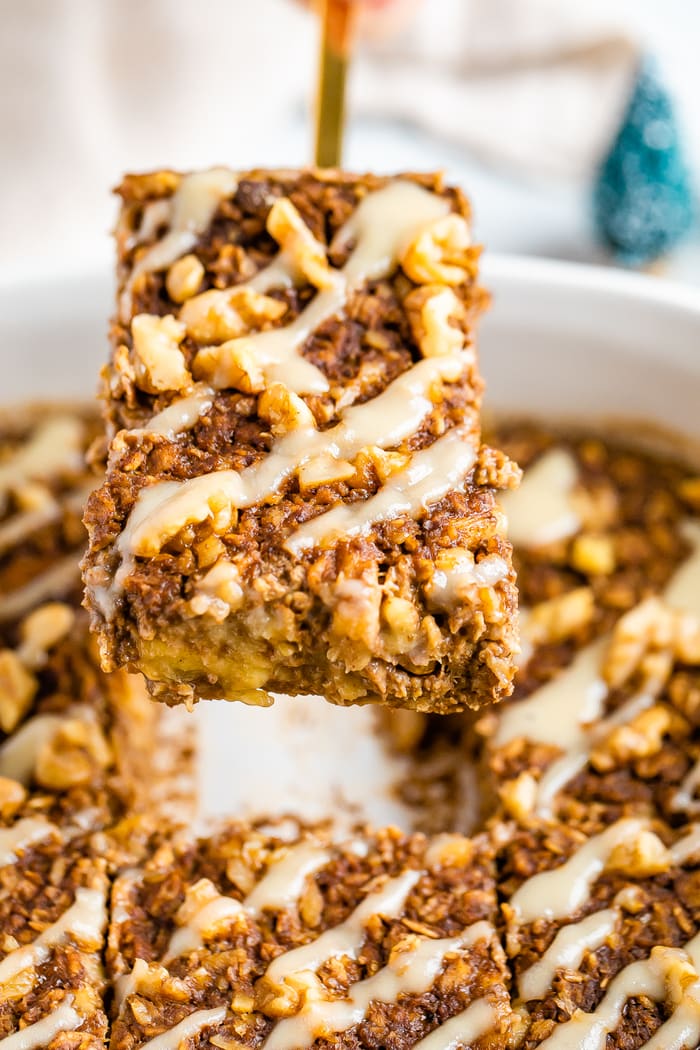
(562, 341)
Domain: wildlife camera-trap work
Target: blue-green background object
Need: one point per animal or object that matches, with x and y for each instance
(643, 196)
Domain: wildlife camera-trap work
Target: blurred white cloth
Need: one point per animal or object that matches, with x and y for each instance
(91, 88)
(539, 85)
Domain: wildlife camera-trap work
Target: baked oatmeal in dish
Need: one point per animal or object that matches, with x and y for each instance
(297, 496)
(250, 939)
(602, 935)
(87, 774)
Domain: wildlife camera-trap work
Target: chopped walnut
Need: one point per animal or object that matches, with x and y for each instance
(234, 364)
(184, 278)
(298, 243)
(401, 620)
(310, 905)
(12, 795)
(355, 623)
(42, 630)
(32, 495)
(441, 253)
(284, 410)
(216, 316)
(519, 795)
(593, 555)
(641, 737)
(560, 618)
(430, 309)
(219, 591)
(647, 640)
(324, 470)
(689, 492)
(641, 856)
(159, 363)
(384, 463)
(18, 688)
(449, 850)
(71, 757)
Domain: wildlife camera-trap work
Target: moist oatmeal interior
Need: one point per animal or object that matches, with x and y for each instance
(297, 498)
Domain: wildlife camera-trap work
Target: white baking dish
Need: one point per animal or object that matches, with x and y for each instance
(562, 342)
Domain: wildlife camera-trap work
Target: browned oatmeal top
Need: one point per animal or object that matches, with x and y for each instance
(293, 398)
(383, 938)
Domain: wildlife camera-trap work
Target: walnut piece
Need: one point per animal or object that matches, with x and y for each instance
(233, 365)
(560, 618)
(593, 555)
(71, 757)
(324, 470)
(430, 309)
(12, 795)
(441, 253)
(284, 410)
(18, 688)
(519, 795)
(298, 243)
(216, 315)
(642, 856)
(42, 630)
(184, 278)
(647, 640)
(219, 591)
(159, 363)
(642, 737)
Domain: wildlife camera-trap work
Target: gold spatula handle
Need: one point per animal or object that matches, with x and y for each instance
(337, 31)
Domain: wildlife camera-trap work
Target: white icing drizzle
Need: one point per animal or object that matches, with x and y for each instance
(161, 510)
(462, 1029)
(566, 712)
(683, 592)
(190, 211)
(21, 525)
(19, 752)
(682, 1030)
(382, 225)
(557, 893)
(24, 833)
(557, 712)
(84, 921)
(692, 949)
(407, 973)
(181, 414)
(54, 448)
(686, 847)
(684, 799)
(284, 880)
(566, 952)
(644, 978)
(190, 936)
(62, 1018)
(541, 510)
(349, 936)
(431, 474)
(127, 984)
(190, 1026)
(564, 769)
(53, 583)
(280, 273)
(279, 888)
(448, 588)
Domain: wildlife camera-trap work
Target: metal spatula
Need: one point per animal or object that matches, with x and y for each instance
(337, 32)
